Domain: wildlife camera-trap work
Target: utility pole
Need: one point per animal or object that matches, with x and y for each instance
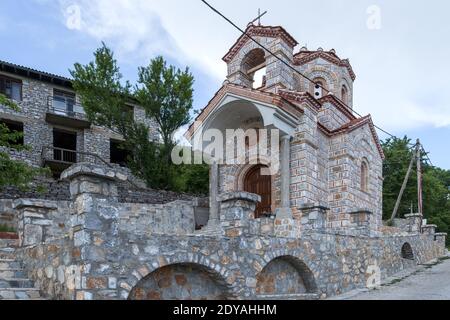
(419, 178)
(402, 191)
(417, 157)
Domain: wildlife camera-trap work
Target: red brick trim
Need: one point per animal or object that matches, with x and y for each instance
(331, 98)
(261, 31)
(9, 235)
(307, 56)
(254, 94)
(301, 97)
(352, 126)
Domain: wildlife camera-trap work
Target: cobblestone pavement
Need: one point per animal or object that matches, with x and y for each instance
(428, 283)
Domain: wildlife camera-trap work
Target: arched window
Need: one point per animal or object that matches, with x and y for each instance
(344, 94)
(254, 66)
(364, 176)
(319, 88)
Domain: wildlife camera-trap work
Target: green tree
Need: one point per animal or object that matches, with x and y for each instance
(436, 184)
(14, 173)
(166, 95)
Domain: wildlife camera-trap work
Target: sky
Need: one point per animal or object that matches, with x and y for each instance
(399, 49)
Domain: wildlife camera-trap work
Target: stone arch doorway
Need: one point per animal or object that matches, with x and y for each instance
(185, 281)
(257, 183)
(286, 276)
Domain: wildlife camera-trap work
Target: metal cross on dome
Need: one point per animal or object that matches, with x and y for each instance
(258, 18)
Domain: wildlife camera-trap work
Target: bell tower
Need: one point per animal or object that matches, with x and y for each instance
(248, 62)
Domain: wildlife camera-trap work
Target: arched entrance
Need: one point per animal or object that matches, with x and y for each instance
(261, 185)
(185, 281)
(407, 252)
(284, 276)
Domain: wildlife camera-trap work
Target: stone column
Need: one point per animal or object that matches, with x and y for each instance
(34, 222)
(414, 222)
(285, 176)
(440, 239)
(236, 211)
(95, 227)
(314, 218)
(429, 229)
(214, 217)
(360, 222)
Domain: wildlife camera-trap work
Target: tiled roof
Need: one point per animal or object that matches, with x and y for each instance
(34, 74)
(295, 96)
(353, 125)
(331, 98)
(249, 93)
(263, 31)
(288, 101)
(306, 56)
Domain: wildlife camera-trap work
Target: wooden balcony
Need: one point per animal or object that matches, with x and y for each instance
(58, 159)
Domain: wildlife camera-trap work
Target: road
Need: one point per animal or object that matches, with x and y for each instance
(428, 284)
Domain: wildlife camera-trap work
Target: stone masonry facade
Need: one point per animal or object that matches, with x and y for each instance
(95, 247)
(334, 158)
(324, 236)
(38, 91)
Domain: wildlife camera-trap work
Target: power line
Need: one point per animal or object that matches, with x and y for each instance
(292, 68)
(287, 64)
(427, 156)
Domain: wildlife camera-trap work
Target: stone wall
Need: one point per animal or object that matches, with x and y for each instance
(127, 251)
(143, 219)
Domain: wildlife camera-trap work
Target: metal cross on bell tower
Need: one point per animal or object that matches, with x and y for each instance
(258, 18)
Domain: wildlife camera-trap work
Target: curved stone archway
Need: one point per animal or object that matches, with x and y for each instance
(407, 252)
(219, 273)
(185, 281)
(286, 275)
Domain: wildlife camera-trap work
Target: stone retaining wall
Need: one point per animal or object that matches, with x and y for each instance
(134, 251)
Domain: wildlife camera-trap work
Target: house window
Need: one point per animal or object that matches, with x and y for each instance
(118, 154)
(128, 112)
(14, 127)
(63, 102)
(364, 176)
(11, 88)
(64, 146)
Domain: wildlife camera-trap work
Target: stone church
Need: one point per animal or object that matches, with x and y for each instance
(329, 157)
(311, 230)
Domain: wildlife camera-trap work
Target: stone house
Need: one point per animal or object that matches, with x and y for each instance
(330, 158)
(54, 122)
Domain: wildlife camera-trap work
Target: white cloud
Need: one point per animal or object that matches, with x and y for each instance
(398, 65)
(141, 29)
